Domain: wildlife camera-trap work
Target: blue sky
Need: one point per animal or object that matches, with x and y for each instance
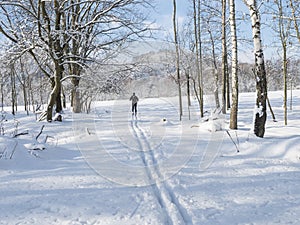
(164, 12)
(163, 17)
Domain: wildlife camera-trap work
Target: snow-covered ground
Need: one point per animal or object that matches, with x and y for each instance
(107, 168)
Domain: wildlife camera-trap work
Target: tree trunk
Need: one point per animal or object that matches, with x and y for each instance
(228, 102)
(295, 19)
(30, 91)
(197, 34)
(188, 91)
(215, 71)
(225, 75)
(55, 98)
(13, 91)
(284, 30)
(25, 98)
(291, 96)
(177, 59)
(22, 80)
(284, 66)
(200, 80)
(76, 103)
(188, 87)
(63, 95)
(75, 69)
(195, 90)
(58, 103)
(2, 93)
(260, 114)
(41, 91)
(271, 110)
(235, 90)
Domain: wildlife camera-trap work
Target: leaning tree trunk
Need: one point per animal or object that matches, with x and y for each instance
(260, 114)
(235, 90)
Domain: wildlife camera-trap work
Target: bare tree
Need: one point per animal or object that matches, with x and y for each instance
(234, 65)
(188, 59)
(213, 37)
(198, 50)
(295, 7)
(2, 91)
(14, 105)
(225, 72)
(177, 58)
(260, 71)
(70, 34)
(22, 78)
(283, 29)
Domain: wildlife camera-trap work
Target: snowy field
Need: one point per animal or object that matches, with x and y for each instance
(109, 168)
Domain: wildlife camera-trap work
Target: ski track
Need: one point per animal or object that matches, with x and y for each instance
(171, 209)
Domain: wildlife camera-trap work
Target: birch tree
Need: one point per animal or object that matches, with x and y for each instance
(260, 114)
(234, 65)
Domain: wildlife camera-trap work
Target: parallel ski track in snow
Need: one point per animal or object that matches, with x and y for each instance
(173, 212)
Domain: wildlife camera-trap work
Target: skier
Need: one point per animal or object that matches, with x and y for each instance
(134, 99)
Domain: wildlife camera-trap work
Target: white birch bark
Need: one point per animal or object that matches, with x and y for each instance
(260, 114)
(234, 70)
